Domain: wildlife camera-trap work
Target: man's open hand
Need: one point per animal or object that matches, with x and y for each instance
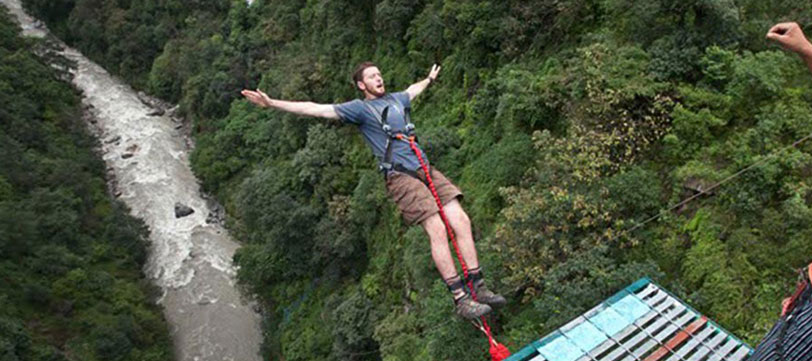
(257, 97)
(435, 69)
(791, 37)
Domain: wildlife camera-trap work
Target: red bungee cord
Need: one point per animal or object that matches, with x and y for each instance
(498, 351)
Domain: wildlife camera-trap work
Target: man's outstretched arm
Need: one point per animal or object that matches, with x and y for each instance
(309, 109)
(792, 38)
(415, 89)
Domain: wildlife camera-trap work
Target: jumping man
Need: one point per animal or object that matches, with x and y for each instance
(377, 116)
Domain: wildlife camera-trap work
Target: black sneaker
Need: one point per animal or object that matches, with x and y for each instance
(469, 309)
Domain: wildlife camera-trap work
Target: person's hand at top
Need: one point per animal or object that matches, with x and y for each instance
(791, 37)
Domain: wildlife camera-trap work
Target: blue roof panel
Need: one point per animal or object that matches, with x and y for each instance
(628, 315)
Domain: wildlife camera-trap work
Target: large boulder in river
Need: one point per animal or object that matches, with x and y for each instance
(182, 210)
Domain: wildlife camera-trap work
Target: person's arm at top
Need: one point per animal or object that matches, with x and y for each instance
(792, 38)
(310, 109)
(415, 89)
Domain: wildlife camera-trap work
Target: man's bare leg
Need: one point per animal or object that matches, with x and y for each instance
(461, 225)
(441, 254)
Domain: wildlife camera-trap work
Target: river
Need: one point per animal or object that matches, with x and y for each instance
(190, 258)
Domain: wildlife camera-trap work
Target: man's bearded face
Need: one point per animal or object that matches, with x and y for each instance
(372, 82)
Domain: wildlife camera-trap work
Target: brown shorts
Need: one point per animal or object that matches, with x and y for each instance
(413, 197)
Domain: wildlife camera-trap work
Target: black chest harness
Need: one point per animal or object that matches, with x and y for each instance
(386, 165)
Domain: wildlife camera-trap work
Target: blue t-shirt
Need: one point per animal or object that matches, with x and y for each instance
(358, 112)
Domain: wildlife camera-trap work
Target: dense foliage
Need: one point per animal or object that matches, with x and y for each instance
(71, 286)
(565, 122)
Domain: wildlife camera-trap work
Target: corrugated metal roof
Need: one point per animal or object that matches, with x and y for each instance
(643, 322)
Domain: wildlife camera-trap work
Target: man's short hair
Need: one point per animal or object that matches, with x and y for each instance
(358, 74)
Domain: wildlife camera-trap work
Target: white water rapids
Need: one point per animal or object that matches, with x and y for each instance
(147, 157)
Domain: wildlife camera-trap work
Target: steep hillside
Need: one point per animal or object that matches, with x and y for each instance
(566, 123)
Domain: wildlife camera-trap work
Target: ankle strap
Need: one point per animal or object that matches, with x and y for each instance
(464, 296)
(454, 286)
(474, 277)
